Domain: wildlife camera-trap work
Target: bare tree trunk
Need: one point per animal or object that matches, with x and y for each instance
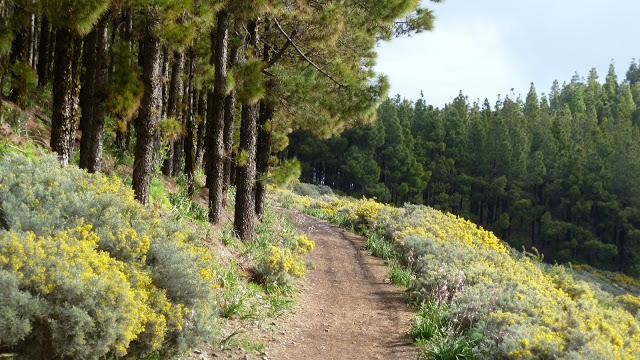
(174, 104)
(178, 145)
(122, 137)
(157, 141)
(202, 123)
(244, 218)
(33, 23)
(215, 119)
(5, 11)
(51, 51)
(263, 151)
(19, 59)
(189, 150)
(149, 113)
(62, 119)
(43, 52)
(229, 119)
(95, 129)
(87, 93)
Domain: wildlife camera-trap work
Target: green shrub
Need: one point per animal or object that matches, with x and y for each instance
(18, 309)
(380, 247)
(236, 298)
(443, 347)
(400, 275)
(277, 251)
(108, 276)
(311, 190)
(185, 208)
(24, 80)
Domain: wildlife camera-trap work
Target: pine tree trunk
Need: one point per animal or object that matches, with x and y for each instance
(202, 124)
(149, 114)
(229, 119)
(157, 141)
(263, 151)
(95, 129)
(87, 92)
(122, 137)
(178, 146)
(32, 42)
(189, 149)
(5, 10)
(62, 119)
(215, 119)
(43, 52)
(19, 59)
(51, 53)
(178, 152)
(244, 217)
(174, 102)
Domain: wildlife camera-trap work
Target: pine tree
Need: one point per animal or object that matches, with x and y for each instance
(174, 112)
(245, 218)
(216, 120)
(229, 125)
(190, 128)
(149, 114)
(93, 96)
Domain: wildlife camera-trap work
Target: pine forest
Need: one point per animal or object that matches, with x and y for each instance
(239, 179)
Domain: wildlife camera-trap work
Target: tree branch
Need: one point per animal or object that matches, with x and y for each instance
(305, 57)
(282, 50)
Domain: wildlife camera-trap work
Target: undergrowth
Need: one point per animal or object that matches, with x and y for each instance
(475, 297)
(163, 288)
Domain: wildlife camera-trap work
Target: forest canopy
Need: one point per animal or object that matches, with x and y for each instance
(181, 85)
(559, 171)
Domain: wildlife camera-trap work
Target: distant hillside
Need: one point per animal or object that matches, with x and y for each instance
(559, 172)
(475, 295)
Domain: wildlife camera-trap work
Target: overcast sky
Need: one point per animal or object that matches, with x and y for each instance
(488, 47)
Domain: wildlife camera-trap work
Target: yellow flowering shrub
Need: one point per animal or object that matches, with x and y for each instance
(630, 302)
(281, 263)
(102, 274)
(67, 266)
(525, 309)
(302, 201)
(627, 283)
(366, 211)
(304, 244)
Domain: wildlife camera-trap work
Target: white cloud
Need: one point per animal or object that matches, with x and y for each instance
(463, 55)
(488, 47)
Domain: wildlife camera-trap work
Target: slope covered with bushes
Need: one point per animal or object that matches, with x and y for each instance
(89, 271)
(477, 296)
(558, 172)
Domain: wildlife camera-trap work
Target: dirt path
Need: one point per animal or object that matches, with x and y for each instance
(346, 309)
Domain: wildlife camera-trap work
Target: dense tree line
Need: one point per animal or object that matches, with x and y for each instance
(558, 172)
(184, 84)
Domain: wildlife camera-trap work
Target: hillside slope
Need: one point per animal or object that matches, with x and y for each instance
(470, 286)
(89, 273)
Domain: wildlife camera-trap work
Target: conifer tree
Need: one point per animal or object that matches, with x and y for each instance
(149, 114)
(557, 173)
(216, 116)
(93, 95)
(174, 112)
(189, 115)
(244, 216)
(229, 124)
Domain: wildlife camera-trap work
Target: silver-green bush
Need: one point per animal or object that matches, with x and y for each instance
(89, 272)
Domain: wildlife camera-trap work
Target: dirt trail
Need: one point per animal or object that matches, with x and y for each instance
(346, 309)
